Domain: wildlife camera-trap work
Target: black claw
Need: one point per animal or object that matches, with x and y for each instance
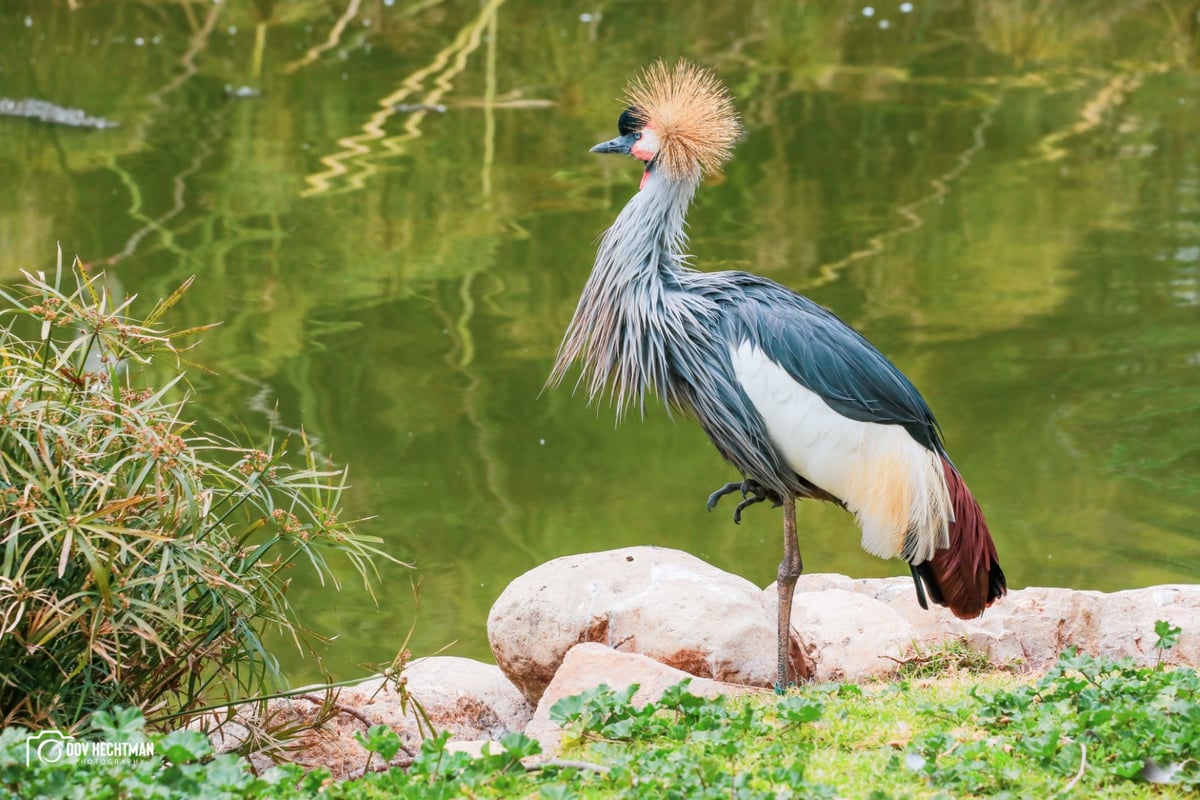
(716, 496)
(752, 492)
(749, 501)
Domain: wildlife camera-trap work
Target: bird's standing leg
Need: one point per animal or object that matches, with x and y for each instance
(785, 583)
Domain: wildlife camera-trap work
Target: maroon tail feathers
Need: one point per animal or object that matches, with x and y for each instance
(966, 576)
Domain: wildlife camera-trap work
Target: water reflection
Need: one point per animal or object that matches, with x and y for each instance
(1004, 196)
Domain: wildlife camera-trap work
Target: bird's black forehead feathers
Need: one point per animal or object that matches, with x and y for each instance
(631, 119)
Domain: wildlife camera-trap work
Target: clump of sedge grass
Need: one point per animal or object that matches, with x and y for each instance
(953, 655)
(141, 559)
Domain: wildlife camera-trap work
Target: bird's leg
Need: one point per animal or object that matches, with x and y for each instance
(785, 583)
(752, 492)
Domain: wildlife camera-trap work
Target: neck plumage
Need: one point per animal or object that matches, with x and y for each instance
(628, 313)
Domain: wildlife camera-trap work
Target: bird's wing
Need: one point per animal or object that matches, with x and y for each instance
(829, 357)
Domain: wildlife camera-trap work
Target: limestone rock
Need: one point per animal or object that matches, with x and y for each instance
(472, 700)
(472, 747)
(589, 665)
(1034, 625)
(665, 604)
(849, 636)
(1030, 627)
(1125, 623)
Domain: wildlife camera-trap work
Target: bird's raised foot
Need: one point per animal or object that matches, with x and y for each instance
(752, 492)
(728, 488)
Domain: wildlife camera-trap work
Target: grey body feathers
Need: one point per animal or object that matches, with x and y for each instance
(647, 322)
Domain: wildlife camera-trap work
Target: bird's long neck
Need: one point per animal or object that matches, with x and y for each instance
(619, 328)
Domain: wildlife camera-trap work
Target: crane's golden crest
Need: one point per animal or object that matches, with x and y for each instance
(690, 110)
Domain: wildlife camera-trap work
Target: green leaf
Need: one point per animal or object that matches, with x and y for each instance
(380, 739)
(518, 745)
(1168, 635)
(184, 746)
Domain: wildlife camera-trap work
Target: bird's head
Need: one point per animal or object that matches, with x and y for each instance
(680, 120)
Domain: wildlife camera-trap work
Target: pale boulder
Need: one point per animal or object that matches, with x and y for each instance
(665, 604)
(589, 665)
(849, 636)
(1029, 627)
(472, 747)
(1032, 626)
(819, 581)
(472, 700)
(1026, 629)
(1125, 623)
(1015, 630)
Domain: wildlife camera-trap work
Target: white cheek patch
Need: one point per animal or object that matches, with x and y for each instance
(893, 485)
(646, 147)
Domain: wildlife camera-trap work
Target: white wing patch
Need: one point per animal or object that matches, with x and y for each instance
(894, 486)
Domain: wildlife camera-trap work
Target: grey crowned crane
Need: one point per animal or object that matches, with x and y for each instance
(795, 399)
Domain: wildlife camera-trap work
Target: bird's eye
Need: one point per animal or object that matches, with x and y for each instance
(637, 135)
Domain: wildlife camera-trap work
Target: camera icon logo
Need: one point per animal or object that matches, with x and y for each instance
(46, 747)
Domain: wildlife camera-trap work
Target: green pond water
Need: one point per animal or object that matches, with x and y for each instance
(394, 228)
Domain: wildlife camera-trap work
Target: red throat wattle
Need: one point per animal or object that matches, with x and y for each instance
(645, 177)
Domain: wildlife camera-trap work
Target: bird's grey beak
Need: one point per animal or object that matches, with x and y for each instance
(621, 144)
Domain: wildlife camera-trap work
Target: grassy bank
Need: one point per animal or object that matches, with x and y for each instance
(1088, 728)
